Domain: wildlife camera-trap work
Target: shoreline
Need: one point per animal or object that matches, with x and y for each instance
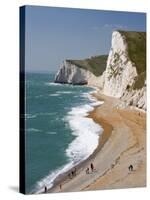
(102, 138)
(123, 142)
(63, 178)
(107, 130)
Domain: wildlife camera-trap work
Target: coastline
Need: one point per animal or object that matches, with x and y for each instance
(63, 178)
(85, 113)
(130, 125)
(107, 129)
(111, 154)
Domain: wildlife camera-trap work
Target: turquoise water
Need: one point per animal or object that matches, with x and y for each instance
(56, 127)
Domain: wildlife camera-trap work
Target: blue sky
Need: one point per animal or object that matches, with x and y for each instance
(55, 34)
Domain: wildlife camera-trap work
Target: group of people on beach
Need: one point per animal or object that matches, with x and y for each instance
(88, 169)
(73, 173)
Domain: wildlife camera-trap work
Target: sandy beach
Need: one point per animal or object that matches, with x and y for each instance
(123, 143)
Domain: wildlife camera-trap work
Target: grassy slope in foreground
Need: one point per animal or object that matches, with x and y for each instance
(95, 64)
(136, 42)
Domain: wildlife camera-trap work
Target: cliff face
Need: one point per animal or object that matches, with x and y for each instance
(135, 98)
(72, 74)
(88, 71)
(120, 71)
(125, 75)
(122, 74)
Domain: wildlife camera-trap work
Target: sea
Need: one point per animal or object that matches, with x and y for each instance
(58, 133)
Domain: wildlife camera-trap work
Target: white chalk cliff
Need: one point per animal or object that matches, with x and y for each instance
(120, 71)
(72, 74)
(121, 74)
(116, 81)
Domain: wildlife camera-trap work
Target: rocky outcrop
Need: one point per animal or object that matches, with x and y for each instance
(71, 74)
(89, 71)
(136, 98)
(123, 75)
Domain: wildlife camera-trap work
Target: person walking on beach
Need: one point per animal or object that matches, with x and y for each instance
(72, 173)
(130, 168)
(87, 170)
(75, 171)
(45, 189)
(92, 167)
(60, 186)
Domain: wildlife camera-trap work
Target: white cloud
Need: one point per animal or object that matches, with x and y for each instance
(114, 26)
(109, 26)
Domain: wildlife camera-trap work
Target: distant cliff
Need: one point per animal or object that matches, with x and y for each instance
(88, 71)
(121, 74)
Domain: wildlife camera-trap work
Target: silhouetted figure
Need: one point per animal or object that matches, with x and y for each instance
(45, 189)
(87, 170)
(60, 186)
(75, 170)
(92, 167)
(130, 168)
(72, 173)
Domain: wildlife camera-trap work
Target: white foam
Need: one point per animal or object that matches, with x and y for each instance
(80, 111)
(33, 130)
(64, 92)
(54, 95)
(94, 101)
(86, 132)
(53, 84)
(85, 129)
(87, 138)
(85, 95)
(30, 116)
(97, 103)
(58, 93)
(95, 90)
(89, 96)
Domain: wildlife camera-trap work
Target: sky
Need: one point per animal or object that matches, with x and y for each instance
(55, 34)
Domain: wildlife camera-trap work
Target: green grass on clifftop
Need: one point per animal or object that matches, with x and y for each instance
(136, 42)
(95, 64)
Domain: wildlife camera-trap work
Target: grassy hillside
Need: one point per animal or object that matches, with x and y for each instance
(96, 65)
(137, 52)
